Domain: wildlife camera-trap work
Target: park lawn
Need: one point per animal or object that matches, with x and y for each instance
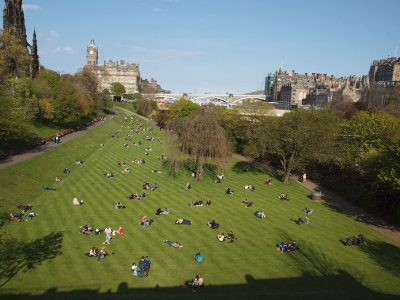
(47, 258)
(44, 131)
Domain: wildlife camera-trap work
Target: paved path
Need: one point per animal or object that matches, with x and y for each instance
(33, 152)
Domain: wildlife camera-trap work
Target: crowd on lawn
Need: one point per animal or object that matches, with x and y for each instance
(142, 269)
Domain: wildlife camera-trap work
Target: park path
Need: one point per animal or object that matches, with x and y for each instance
(11, 160)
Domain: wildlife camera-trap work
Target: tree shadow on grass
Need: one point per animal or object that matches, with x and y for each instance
(240, 166)
(338, 286)
(17, 255)
(385, 254)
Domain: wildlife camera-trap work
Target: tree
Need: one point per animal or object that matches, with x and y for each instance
(295, 138)
(66, 107)
(46, 111)
(15, 60)
(117, 89)
(144, 107)
(182, 108)
(201, 138)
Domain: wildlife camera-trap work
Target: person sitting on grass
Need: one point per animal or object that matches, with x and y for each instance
(218, 180)
(175, 245)
(46, 188)
(231, 236)
(198, 203)
(362, 239)
(159, 212)
(120, 205)
(269, 181)
(92, 252)
(197, 282)
(284, 197)
(208, 203)
(308, 211)
(79, 162)
(156, 171)
(213, 225)
(245, 202)
(183, 222)
(259, 214)
(229, 191)
(245, 169)
(58, 179)
(187, 186)
(221, 237)
(66, 171)
(166, 211)
(199, 257)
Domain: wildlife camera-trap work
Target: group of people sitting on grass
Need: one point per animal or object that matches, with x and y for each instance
(162, 156)
(259, 214)
(110, 175)
(18, 216)
(147, 185)
(246, 203)
(269, 181)
(96, 253)
(135, 196)
(196, 203)
(300, 221)
(175, 245)
(86, 229)
(119, 205)
(213, 225)
(162, 212)
(196, 282)
(121, 164)
(284, 197)
(183, 222)
(230, 236)
(249, 187)
(354, 241)
(287, 247)
(139, 161)
(187, 186)
(146, 223)
(229, 191)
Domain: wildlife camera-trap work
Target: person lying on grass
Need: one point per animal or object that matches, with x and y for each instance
(156, 171)
(126, 171)
(58, 179)
(221, 237)
(308, 211)
(16, 217)
(102, 254)
(66, 171)
(76, 201)
(175, 245)
(199, 257)
(259, 214)
(229, 191)
(213, 225)
(183, 222)
(197, 282)
(355, 240)
(289, 247)
(46, 188)
(301, 221)
(110, 175)
(26, 208)
(208, 203)
(79, 162)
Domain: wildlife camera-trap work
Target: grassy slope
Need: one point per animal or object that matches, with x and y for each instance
(44, 130)
(252, 258)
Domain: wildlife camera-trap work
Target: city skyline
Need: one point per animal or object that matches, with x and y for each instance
(209, 46)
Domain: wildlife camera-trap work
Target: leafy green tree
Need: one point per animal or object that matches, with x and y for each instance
(144, 107)
(295, 138)
(117, 89)
(15, 60)
(182, 108)
(21, 90)
(201, 138)
(66, 107)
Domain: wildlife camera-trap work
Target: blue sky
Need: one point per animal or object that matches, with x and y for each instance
(217, 45)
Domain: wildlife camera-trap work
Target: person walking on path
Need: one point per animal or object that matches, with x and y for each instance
(147, 266)
(142, 265)
(304, 177)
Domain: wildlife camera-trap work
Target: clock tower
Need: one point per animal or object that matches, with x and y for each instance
(92, 54)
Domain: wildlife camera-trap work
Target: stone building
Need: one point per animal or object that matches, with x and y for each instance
(126, 74)
(385, 71)
(293, 94)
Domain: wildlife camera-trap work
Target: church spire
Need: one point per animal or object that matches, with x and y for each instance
(35, 56)
(14, 20)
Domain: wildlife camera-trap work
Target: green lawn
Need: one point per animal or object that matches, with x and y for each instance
(45, 130)
(44, 258)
